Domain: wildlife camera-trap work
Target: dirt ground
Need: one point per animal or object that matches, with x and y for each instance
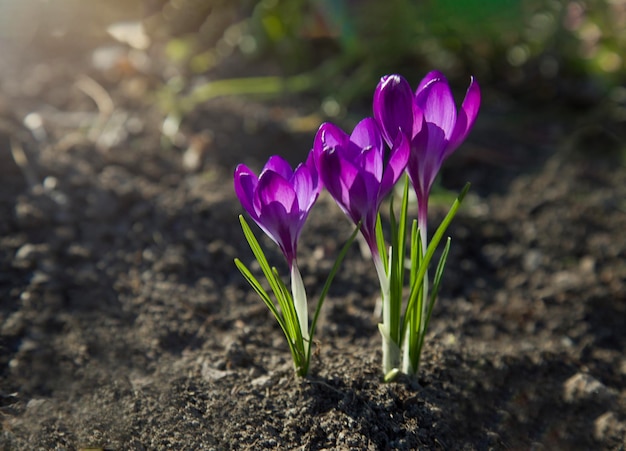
(124, 324)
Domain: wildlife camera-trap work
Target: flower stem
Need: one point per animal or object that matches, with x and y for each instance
(384, 286)
(300, 301)
(391, 351)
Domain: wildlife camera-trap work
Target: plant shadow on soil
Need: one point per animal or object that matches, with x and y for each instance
(125, 324)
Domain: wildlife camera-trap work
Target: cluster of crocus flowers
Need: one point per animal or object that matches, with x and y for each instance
(429, 118)
(410, 133)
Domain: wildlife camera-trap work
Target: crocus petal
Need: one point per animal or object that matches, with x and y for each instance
(466, 117)
(366, 134)
(331, 136)
(282, 227)
(437, 103)
(362, 203)
(394, 106)
(430, 77)
(315, 177)
(245, 184)
(279, 215)
(419, 148)
(368, 139)
(273, 187)
(279, 165)
(430, 164)
(398, 159)
(338, 176)
(426, 159)
(304, 187)
(328, 136)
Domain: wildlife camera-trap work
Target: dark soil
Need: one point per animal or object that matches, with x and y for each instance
(124, 324)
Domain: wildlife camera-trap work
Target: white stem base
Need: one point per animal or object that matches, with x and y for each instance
(391, 351)
(299, 301)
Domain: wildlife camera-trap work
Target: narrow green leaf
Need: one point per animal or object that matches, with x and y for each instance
(247, 274)
(268, 302)
(416, 243)
(282, 295)
(392, 220)
(398, 265)
(415, 298)
(259, 255)
(272, 277)
(440, 268)
(415, 324)
(380, 241)
(402, 227)
(432, 246)
(413, 311)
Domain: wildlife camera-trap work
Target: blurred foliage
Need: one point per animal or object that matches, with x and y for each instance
(538, 49)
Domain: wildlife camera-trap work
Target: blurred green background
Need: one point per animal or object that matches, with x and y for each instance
(534, 50)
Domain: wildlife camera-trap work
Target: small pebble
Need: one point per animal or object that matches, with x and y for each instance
(583, 387)
(607, 426)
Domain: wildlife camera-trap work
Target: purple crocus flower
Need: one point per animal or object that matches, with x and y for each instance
(355, 171)
(358, 176)
(430, 120)
(280, 199)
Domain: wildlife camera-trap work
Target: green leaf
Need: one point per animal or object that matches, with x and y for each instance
(380, 242)
(398, 266)
(415, 297)
(439, 272)
(290, 328)
(413, 318)
(268, 302)
(247, 274)
(432, 246)
(259, 255)
(416, 254)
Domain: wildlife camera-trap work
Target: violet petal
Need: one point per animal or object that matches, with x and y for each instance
(304, 187)
(430, 77)
(368, 139)
(437, 103)
(398, 160)
(245, 184)
(394, 106)
(279, 165)
(273, 187)
(466, 117)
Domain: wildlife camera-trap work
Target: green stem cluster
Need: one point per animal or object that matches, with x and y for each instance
(403, 335)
